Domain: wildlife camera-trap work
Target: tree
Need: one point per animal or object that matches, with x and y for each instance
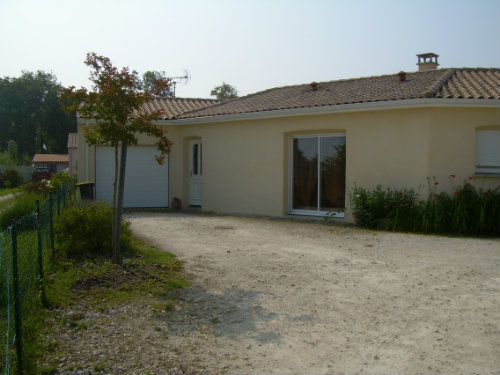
(31, 116)
(12, 149)
(157, 83)
(224, 91)
(116, 107)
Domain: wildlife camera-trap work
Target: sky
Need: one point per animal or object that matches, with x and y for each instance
(253, 45)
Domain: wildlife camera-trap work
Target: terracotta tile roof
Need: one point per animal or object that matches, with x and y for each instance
(173, 107)
(51, 158)
(460, 83)
(464, 83)
(72, 140)
(471, 84)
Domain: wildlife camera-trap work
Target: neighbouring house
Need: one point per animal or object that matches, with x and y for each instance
(56, 162)
(72, 153)
(301, 149)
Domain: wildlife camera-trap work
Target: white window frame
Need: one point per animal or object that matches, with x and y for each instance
(487, 152)
(318, 212)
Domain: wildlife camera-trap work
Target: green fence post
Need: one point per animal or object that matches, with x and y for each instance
(51, 222)
(41, 281)
(64, 195)
(17, 304)
(58, 198)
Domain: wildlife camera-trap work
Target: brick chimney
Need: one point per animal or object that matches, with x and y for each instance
(427, 62)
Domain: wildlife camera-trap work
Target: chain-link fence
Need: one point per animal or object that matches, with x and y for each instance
(25, 248)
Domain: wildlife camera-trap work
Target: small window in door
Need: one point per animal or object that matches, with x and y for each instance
(195, 159)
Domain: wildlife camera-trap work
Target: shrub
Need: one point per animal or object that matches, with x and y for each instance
(11, 178)
(84, 231)
(384, 209)
(467, 211)
(24, 204)
(59, 179)
(42, 187)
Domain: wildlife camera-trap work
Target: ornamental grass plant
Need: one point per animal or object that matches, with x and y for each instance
(467, 211)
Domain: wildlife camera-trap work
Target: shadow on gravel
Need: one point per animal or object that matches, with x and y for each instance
(234, 314)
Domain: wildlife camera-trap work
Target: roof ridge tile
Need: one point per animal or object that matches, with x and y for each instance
(438, 85)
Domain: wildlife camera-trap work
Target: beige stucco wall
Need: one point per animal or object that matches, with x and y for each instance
(453, 145)
(246, 163)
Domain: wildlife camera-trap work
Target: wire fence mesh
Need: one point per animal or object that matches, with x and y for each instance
(25, 248)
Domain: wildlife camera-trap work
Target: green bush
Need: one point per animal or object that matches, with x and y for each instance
(59, 179)
(11, 178)
(384, 209)
(24, 204)
(41, 187)
(44, 187)
(5, 159)
(468, 210)
(84, 231)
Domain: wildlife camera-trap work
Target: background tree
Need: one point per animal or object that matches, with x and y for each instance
(115, 105)
(224, 91)
(12, 149)
(31, 116)
(157, 83)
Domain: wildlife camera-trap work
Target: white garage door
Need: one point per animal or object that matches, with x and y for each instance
(146, 182)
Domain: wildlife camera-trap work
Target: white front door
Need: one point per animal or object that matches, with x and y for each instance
(195, 173)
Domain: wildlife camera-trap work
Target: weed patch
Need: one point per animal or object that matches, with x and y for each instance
(77, 289)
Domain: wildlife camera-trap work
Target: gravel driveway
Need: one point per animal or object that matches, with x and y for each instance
(290, 297)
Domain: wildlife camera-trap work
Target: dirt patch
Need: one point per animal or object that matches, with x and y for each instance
(290, 297)
(113, 276)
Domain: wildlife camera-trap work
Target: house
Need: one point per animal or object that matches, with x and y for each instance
(301, 149)
(72, 153)
(56, 162)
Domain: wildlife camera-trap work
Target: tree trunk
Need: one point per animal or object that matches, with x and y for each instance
(119, 206)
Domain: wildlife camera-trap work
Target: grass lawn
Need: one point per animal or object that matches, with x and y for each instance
(9, 191)
(6, 203)
(147, 277)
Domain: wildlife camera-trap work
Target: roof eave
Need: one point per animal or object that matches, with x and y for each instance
(342, 108)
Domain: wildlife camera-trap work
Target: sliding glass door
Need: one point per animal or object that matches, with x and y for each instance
(318, 174)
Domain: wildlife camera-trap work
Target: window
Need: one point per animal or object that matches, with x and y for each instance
(318, 174)
(487, 151)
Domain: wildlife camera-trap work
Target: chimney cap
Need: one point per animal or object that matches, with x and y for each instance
(427, 61)
(428, 55)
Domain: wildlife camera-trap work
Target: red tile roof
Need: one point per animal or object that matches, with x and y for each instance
(460, 83)
(172, 107)
(51, 158)
(464, 83)
(471, 84)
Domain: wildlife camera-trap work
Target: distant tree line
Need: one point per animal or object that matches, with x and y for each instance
(31, 119)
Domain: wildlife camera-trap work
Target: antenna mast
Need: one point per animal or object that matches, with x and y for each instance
(175, 80)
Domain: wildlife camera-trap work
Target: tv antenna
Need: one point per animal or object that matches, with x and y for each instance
(185, 78)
